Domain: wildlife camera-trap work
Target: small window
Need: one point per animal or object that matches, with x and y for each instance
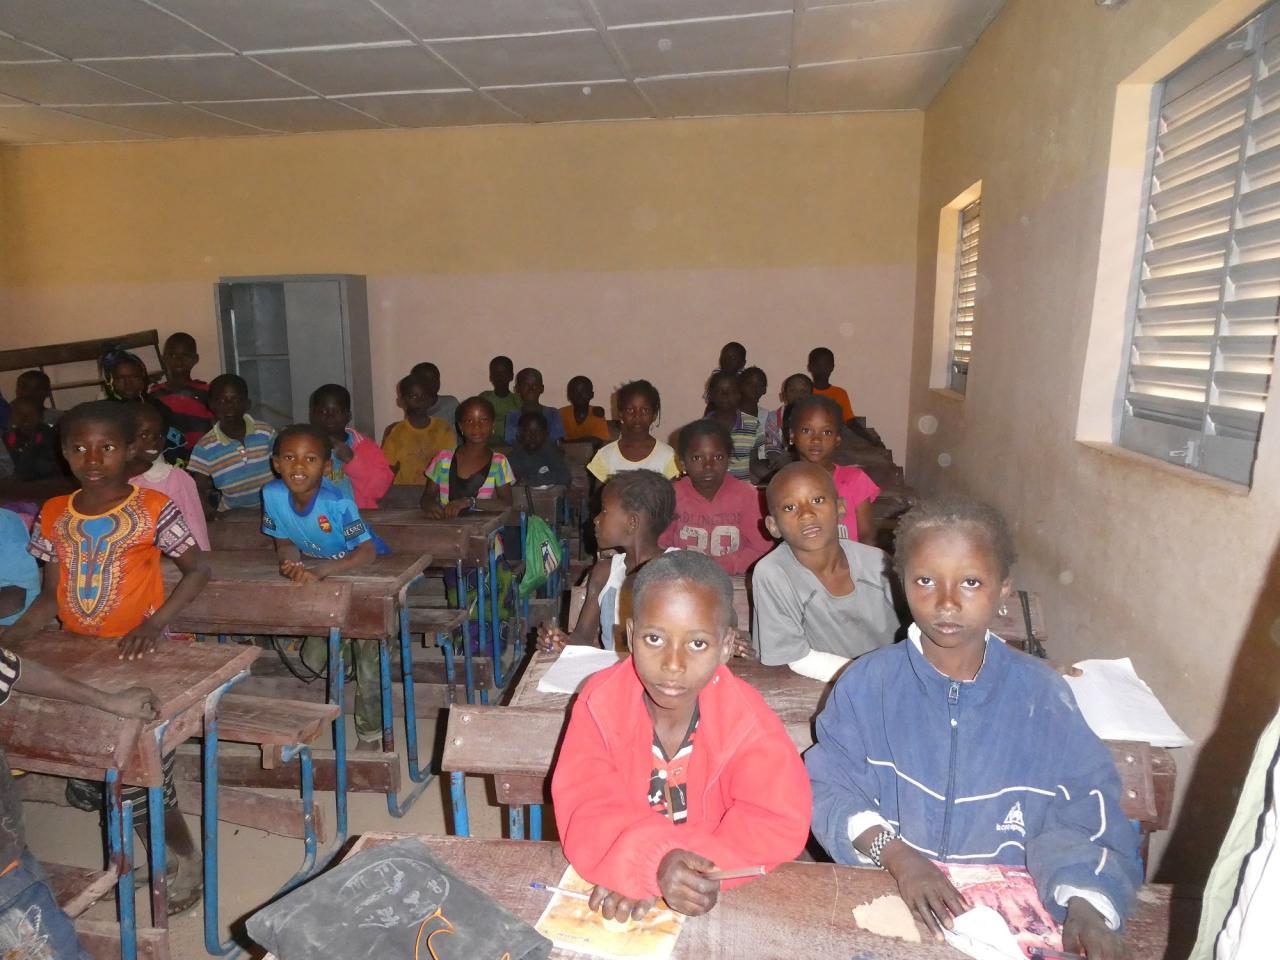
(1204, 315)
(965, 292)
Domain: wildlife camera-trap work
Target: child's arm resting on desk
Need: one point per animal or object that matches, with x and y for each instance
(778, 630)
(193, 564)
(40, 681)
(1087, 848)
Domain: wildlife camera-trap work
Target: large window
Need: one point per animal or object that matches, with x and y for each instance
(966, 291)
(1204, 318)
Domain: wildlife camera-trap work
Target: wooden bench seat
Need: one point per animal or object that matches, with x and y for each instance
(430, 621)
(272, 721)
(76, 889)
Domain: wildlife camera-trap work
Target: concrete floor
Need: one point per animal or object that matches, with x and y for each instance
(252, 864)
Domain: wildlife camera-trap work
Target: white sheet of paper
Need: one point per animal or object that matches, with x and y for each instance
(1118, 705)
(981, 933)
(572, 668)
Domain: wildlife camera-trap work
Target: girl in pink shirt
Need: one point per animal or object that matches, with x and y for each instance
(149, 470)
(815, 434)
(716, 514)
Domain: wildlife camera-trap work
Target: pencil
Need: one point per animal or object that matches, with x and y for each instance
(571, 894)
(735, 874)
(1044, 953)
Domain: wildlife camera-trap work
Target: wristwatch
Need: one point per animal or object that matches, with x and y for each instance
(471, 503)
(882, 840)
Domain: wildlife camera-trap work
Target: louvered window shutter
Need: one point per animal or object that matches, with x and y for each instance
(1205, 315)
(962, 302)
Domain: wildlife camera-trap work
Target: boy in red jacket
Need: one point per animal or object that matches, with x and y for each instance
(671, 766)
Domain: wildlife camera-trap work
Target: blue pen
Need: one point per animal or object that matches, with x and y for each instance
(572, 894)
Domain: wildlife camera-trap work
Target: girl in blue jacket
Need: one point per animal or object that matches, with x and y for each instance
(952, 747)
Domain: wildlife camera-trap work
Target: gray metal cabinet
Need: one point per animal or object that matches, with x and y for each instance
(288, 335)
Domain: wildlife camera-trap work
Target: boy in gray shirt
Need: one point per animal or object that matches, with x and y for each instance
(819, 601)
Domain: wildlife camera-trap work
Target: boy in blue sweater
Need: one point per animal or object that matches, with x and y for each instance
(926, 750)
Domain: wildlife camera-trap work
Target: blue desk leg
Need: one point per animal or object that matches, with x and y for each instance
(445, 642)
(515, 822)
(118, 814)
(466, 635)
(398, 807)
(522, 626)
(337, 679)
(209, 816)
(458, 794)
(495, 603)
(158, 851)
(482, 613)
(535, 821)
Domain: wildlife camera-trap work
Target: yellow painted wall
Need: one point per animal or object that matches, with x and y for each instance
(1133, 559)
(637, 247)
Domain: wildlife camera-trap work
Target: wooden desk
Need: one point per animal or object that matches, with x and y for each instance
(405, 530)
(798, 910)
(74, 740)
(376, 589)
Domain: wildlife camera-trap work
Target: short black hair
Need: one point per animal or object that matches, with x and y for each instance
(817, 352)
(111, 413)
(796, 377)
(425, 368)
(410, 380)
(532, 416)
(686, 566)
(112, 359)
(303, 430)
(790, 470)
(813, 402)
(141, 408)
(646, 492)
(186, 339)
(527, 373)
(640, 388)
(737, 345)
(754, 372)
(35, 375)
(233, 380)
(331, 391)
(703, 428)
(501, 358)
(718, 376)
(471, 402)
(579, 378)
(952, 511)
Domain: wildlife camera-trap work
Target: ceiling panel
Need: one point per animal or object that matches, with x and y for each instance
(546, 58)
(718, 94)
(442, 109)
(699, 46)
(908, 82)
(308, 115)
(600, 101)
(855, 31)
(483, 18)
(43, 125)
(364, 69)
(165, 120)
(15, 50)
(61, 82)
(101, 28)
(277, 24)
(203, 78)
(651, 11)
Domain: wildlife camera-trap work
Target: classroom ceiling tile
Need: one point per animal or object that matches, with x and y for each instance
(42, 125)
(15, 51)
(435, 109)
(364, 69)
(858, 30)
(616, 12)
(700, 46)
(203, 78)
(907, 82)
(59, 82)
(574, 101)
(101, 28)
(544, 58)
(718, 94)
(279, 24)
(164, 120)
(308, 115)
(431, 19)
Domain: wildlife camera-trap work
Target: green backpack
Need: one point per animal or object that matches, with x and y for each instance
(542, 554)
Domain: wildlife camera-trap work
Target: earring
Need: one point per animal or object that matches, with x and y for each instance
(1003, 611)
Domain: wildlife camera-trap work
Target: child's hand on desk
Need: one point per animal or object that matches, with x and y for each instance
(139, 641)
(435, 512)
(551, 639)
(1085, 931)
(742, 646)
(923, 887)
(297, 571)
(139, 702)
(614, 906)
(455, 508)
(683, 886)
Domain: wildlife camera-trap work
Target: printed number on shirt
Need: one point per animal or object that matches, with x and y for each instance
(722, 541)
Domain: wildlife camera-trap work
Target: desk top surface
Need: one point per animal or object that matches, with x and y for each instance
(800, 909)
(387, 573)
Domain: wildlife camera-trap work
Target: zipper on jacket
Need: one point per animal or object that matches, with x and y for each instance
(953, 702)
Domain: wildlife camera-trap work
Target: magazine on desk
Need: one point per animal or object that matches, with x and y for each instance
(1011, 893)
(571, 924)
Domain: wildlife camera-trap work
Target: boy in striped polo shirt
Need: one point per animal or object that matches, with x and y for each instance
(235, 456)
